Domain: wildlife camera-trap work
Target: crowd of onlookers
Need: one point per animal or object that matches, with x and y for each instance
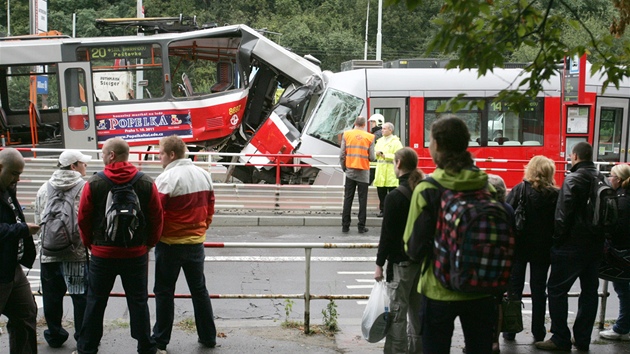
(555, 238)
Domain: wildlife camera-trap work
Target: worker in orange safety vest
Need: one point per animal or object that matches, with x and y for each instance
(357, 150)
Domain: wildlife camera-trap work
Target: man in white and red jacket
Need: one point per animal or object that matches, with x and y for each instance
(108, 260)
(187, 196)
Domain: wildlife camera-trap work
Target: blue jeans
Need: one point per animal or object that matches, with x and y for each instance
(622, 288)
(54, 289)
(348, 197)
(169, 259)
(567, 265)
(134, 276)
(477, 317)
(538, 284)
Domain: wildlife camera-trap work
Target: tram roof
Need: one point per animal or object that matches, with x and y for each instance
(43, 50)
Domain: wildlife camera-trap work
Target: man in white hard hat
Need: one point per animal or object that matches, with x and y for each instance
(375, 126)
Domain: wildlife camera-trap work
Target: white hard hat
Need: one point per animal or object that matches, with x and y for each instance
(378, 118)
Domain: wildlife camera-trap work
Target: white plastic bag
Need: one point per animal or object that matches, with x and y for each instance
(374, 322)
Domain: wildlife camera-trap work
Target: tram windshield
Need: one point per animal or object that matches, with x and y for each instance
(336, 113)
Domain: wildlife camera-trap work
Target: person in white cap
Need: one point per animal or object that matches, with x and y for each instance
(63, 257)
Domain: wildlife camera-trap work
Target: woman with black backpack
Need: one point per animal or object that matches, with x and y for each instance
(534, 201)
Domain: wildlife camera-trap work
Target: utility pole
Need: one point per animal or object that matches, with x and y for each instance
(8, 18)
(378, 32)
(139, 93)
(367, 19)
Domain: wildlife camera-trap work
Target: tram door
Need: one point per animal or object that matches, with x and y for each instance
(395, 111)
(610, 142)
(77, 106)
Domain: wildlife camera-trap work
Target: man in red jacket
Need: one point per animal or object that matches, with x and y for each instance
(109, 259)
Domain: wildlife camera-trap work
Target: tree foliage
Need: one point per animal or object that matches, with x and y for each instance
(486, 33)
(472, 33)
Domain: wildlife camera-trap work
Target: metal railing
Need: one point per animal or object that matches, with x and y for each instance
(307, 296)
(230, 197)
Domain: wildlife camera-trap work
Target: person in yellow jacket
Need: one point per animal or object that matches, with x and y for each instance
(356, 152)
(384, 178)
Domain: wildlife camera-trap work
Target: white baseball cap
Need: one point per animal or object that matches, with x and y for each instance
(69, 157)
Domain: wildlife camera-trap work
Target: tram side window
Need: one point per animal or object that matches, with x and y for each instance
(77, 105)
(125, 72)
(512, 129)
(31, 83)
(203, 66)
(505, 127)
(471, 115)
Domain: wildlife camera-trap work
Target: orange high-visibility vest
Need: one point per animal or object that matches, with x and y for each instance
(358, 149)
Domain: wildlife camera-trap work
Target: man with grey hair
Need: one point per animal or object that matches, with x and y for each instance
(17, 249)
(356, 152)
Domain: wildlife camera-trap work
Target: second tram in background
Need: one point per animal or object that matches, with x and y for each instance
(570, 109)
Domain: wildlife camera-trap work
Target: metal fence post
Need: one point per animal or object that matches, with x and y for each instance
(602, 311)
(307, 291)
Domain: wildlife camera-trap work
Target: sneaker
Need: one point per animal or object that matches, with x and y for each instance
(363, 230)
(549, 345)
(611, 334)
(345, 229)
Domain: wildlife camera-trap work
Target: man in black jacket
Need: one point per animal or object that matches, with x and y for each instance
(16, 249)
(576, 254)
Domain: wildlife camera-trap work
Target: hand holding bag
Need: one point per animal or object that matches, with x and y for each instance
(512, 316)
(519, 212)
(374, 322)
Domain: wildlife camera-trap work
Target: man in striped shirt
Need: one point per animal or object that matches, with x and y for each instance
(188, 200)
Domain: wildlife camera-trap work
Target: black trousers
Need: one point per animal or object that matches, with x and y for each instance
(350, 187)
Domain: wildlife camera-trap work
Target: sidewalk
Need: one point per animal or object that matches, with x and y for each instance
(265, 336)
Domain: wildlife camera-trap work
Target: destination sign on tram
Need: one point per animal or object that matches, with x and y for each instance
(119, 52)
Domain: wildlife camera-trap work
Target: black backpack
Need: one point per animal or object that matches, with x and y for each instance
(602, 205)
(123, 214)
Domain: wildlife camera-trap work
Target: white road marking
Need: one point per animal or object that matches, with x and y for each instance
(359, 286)
(287, 259)
(354, 273)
